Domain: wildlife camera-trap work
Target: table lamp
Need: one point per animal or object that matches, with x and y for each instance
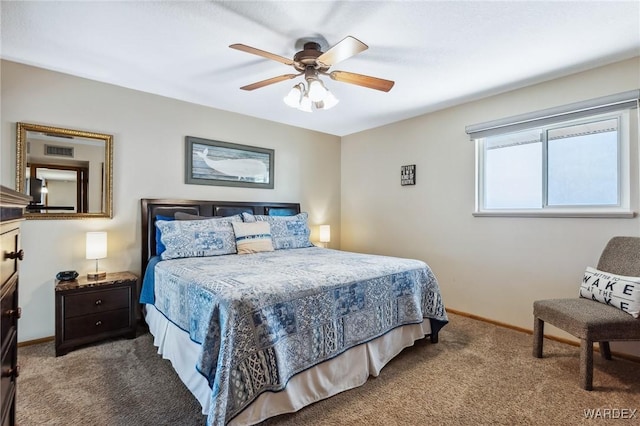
(96, 249)
(325, 234)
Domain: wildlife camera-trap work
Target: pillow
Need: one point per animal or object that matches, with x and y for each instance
(252, 237)
(615, 290)
(160, 248)
(287, 232)
(198, 238)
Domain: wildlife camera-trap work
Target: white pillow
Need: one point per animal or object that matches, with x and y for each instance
(252, 237)
(287, 232)
(615, 290)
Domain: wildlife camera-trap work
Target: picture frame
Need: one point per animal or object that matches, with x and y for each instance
(211, 162)
(408, 175)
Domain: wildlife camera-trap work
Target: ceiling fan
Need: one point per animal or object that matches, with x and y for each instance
(312, 62)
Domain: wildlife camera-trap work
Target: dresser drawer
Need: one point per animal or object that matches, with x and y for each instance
(8, 380)
(92, 302)
(96, 324)
(9, 244)
(8, 310)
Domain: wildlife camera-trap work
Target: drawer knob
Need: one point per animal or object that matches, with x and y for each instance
(15, 255)
(98, 323)
(16, 313)
(99, 302)
(11, 372)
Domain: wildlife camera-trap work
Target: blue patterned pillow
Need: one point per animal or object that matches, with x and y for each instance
(287, 232)
(198, 238)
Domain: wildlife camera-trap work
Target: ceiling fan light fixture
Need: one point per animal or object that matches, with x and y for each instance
(329, 101)
(299, 97)
(305, 104)
(317, 91)
(294, 96)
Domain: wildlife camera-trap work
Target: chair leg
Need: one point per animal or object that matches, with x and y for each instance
(605, 350)
(586, 364)
(538, 337)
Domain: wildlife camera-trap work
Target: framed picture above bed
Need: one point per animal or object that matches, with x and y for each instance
(209, 162)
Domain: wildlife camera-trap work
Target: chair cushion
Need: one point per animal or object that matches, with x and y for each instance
(584, 318)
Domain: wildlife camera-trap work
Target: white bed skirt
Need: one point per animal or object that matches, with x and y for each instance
(346, 371)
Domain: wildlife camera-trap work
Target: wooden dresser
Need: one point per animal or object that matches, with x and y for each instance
(12, 206)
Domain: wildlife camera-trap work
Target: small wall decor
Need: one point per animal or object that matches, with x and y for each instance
(209, 162)
(408, 175)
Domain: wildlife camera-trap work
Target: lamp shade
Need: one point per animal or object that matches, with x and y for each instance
(317, 91)
(329, 101)
(305, 104)
(294, 96)
(96, 245)
(325, 233)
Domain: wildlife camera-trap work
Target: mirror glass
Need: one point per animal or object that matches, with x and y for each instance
(68, 173)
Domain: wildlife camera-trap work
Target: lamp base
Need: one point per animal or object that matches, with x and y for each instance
(98, 275)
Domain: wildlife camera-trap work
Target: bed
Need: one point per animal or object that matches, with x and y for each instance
(256, 335)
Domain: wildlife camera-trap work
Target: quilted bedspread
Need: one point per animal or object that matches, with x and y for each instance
(262, 318)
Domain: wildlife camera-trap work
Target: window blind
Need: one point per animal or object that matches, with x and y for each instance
(615, 102)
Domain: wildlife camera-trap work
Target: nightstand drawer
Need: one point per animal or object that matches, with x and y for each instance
(91, 325)
(96, 301)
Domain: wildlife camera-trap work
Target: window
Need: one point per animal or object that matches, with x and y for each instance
(574, 163)
(563, 166)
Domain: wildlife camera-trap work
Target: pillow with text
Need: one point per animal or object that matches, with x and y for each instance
(616, 290)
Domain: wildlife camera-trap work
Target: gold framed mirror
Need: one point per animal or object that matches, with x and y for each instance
(68, 173)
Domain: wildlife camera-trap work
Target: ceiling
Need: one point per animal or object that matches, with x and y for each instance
(439, 53)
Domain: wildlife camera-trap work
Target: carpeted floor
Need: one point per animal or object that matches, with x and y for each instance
(478, 374)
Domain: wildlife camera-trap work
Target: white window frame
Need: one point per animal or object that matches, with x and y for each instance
(598, 109)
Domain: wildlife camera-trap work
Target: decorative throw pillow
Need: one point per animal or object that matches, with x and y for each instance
(615, 290)
(252, 237)
(287, 232)
(198, 238)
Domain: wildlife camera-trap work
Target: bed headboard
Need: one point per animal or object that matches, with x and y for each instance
(167, 207)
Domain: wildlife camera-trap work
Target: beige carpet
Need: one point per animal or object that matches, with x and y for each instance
(479, 374)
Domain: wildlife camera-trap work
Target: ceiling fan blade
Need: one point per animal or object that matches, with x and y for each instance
(262, 53)
(269, 81)
(346, 48)
(362, 80)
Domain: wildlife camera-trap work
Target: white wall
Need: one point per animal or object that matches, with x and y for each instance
(149, 133)
(491, 267)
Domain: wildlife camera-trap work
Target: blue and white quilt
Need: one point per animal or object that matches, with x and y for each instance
(264, 317)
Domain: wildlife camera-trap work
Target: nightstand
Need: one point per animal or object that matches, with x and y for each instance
(89, 311)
